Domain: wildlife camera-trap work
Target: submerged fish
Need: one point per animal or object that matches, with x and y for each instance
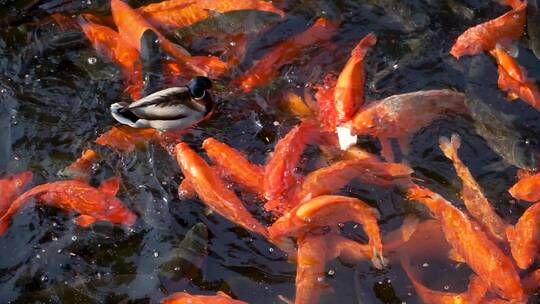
(186, 298)
(93, 204)
(152, 62)
(499, 129)
(12, 186)
(186, 258)
(533, 25)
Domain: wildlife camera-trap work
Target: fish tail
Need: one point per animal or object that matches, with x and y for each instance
(363, 46)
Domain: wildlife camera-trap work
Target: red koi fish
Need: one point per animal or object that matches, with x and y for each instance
(330, 179)
(311, 261)
(329, 210)
(513, 79)
(524, 237)
(471, 243)
(235, 165)
(12, 186)
(126, 139)
(212, 191)
(82, 167)
(93, 204)
(186, 298)
(279, 175)
(349, 90)
(108, 43)
(131, 25)
(174, 14)
(472, 194)
(400, 116)
(284, 53)
(485, 36)
(527, 188)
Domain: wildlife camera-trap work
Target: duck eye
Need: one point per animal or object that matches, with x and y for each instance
(198, 85)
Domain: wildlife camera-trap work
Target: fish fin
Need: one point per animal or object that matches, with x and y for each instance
(497, 166)
(84, 220)
(404, 143)
(386, 149)
(110, 186)
(363, 46)
(455, 256)
(450, 146)
(4, 225)
(221, 293)
(285, 300)
(510, 234)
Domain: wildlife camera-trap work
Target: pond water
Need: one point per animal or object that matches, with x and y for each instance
(55, 94)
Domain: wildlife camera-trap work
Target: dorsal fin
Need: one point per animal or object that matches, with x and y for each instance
(110, 185)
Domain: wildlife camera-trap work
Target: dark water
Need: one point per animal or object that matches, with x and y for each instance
(54, 102)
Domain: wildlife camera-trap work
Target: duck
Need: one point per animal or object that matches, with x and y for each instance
(168, 109)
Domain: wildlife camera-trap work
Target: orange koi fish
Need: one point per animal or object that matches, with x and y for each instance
(485, 36)
(174, 14)
(311, 261)
(212, 191)
(524, 237)
(336, 176)
(513, 79)
(185, 190)
(474, 294)
(82, 167)
(108, 43)
(527, 188)
(279, 172)
(132, 25)
(329, 210)
(469, 240)
(284, 53)
(472, 194)
(400, 116)
(349, 90)
(93, 204)
(125, 139)
(186, 298)
(12, 186)
(326, 108)
(235, 165)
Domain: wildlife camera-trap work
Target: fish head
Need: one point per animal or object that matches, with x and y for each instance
(365, 122)
(524, 155)
(118, 213)
(198, 86)
(21, 179)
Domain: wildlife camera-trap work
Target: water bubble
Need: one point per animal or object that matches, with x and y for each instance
(92, 60)
(176, 268)
(425, 265)
(446, 287)
(320, 279)
(38, 256)
(155, 254)
(331, 272)
(44, 278)
(276, 123)
(232, 43)
(271, 249)
(74, 238)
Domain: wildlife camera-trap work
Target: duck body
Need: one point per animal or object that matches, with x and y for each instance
(169, 109)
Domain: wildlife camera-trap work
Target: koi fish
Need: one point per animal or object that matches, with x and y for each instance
(235, 165)
(186, 298)
(328, 210)
(311, 261)
(212, 191)
(527, 188)
(12, 186)
(174, 14)
(400, 116)
(512, 78)
(108, 43)
(153, 67)
(185, 260)
(531, 282)
(93, 204)
(469, 240)
(284, 53)
(126, 139)
(472, 194)
(533, 25)
(336, 176)
(524, 237)
(491, 120)
(279, 171)
(485, 36)
(131, 26)
(82, 167)
(349, 90)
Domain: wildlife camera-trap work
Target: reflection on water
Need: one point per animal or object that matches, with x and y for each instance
(55, 93)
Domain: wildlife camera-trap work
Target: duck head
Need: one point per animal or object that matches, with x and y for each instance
(169, 109)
